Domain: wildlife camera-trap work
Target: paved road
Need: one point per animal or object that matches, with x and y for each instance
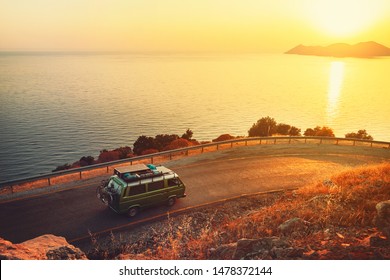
(208, 177)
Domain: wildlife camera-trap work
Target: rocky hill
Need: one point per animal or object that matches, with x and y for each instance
(363, 50)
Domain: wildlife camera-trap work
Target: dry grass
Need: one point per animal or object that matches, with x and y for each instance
(339, 212)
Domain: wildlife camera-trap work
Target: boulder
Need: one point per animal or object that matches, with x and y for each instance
(292, 225)
(249, 247)
(382, 220)
(223, 252)
(41, 248)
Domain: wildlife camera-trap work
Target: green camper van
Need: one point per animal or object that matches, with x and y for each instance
(134, 187)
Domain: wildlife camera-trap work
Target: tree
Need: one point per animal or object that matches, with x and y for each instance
(283, 129)
(319, 131)
(88, 160)
(263, 127)
(124, 152)
(361, 134)
(294, 131)
(163, 140)
(188, 134)
(144, 143)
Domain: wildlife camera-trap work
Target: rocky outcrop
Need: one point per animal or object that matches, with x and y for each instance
(45, 247)
(363, 49)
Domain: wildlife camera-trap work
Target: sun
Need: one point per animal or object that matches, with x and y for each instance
(345, 17)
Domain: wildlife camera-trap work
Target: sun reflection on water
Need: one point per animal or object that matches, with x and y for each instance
(336, 78)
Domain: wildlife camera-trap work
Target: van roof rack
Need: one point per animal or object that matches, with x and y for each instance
(138, 171)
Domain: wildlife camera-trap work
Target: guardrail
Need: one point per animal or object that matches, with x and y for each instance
(79, 171)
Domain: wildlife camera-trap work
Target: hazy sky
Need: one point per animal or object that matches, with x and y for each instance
(189, 25)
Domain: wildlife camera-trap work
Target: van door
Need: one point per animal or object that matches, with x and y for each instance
(156, 193)
(134, 196)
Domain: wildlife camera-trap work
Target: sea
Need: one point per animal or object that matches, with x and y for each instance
(57, 107)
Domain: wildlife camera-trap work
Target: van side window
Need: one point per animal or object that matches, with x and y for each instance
(173, 182)
(154, 186)
(137, 189)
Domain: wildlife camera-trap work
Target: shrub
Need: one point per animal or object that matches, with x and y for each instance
(179, 143)
(163, 140)
(144, 143)
(319, 131)
(361, 134)
(223, 137)
(88, 160)
(62, 167)
(124, 152)
(149, 151)
(286, 129)
(106, 156)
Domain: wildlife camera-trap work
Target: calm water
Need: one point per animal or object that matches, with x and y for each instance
(55, 109)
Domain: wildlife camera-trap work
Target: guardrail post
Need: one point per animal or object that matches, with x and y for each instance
(170, 156)
(186, 152)
(337, 141)
(260, 142)
(217, 147)
(305, 140)
(80, 175)
(246, 143)
(202, 150)
(48, 181)
(107, 168)
(289, 140)
(321, 141)
(151, 159)
(231, 144)
(274, 141)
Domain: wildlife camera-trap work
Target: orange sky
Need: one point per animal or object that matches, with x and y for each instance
(189, 25)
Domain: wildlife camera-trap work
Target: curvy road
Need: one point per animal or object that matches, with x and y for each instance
(209, 177)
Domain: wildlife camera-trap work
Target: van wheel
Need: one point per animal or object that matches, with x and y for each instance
(132, 212)
(171, 201)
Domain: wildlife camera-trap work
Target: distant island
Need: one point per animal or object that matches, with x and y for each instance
(363, 50)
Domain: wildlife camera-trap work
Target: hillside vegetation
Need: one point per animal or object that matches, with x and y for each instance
(339, 218)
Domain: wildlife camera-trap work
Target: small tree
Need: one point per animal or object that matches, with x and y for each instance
(144, 143)
(88, 160)
(124, 152)
(294, 131)
(319, 131)
(163, 140)
(188, 134)
(283, 129)
(263, 127)
(361, 134)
